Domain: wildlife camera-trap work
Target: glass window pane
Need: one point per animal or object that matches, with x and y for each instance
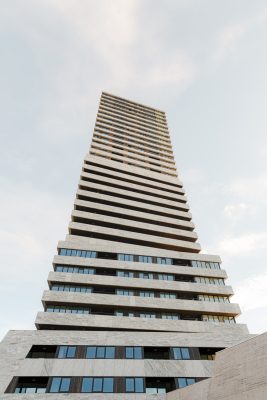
(138, 352)
(190, 381)
(110, 352)
(87, 385)
(129, 352)
(62, 352)
(185, 353)
(129, 384)
(55, 385)
(90, 352)
(71, 351)
(181, 382)
(65, 385)
(100, 352)
(139, 385)
(177, 353)
(108, 385)
(97, 385)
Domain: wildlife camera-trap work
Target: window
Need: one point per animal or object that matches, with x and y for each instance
(181, 353)
(125, 274)
(183, 382)
(31, 385)
(146, 293)
(134, 385)
(220, 299)
(166, 277)
(218, 318)
(125, 257)
(205, 264)
(170, 316)
(97, 385)
(100, 352)
(133, 352)
(124, 292)
(166, 295)
(60, 385)
(74, 270)
(124, 313)
(145, 275)
(77, 253)
(70, 288)
(213, 281)
(145, 259)
(68, 309)
(167, 261)
(66, 352)
(148, 315)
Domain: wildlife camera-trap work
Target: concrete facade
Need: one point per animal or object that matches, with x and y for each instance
(129, 283)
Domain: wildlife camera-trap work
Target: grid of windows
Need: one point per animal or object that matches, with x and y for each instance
(220, 299)
(181, 353)
(74, 270)
(133, 352)
(125, 274)
(218, 318)
(71, 288)
(67, 352)
(97, 385)
(166, 295)
(134, 385)
(68, 309)
(100, 352)
(77, 253)
(146, 293)
(124, 292)
(183, 382)
(143, 259)
(212, 281)
(170, 315)
(60, 385)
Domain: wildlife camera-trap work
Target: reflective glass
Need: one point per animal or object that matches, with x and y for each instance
(129, 352)
(129, 384)
(110, 352)
(181, 382)
(97, 384)
(185, 353)
(108, 385)
(65, 385)
(177, 353)
(55, 385)
(91, 352)
(87, 384)
(139, 385)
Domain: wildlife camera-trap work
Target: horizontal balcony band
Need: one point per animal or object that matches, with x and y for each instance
(122, 143)
(142, 303)
(160, 127)
(130, 103)
(122, 367)
(83, 243)
(46, 320)
(124, 236)
(136, 205)
(137, 180)
(138, 283)
(27, 338)
(130, 130)
(118, 212)
(136, 140)
(138, 266)
(178, 205)
(172, 181)
(131, 225)
(132, 187)
(131, 161)
(131, 153)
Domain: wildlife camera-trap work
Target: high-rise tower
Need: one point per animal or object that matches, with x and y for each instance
(132, 306)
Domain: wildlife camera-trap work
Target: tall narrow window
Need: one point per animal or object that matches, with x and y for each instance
(66, 352)
(60, 385)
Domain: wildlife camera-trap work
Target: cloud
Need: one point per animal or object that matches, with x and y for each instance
(231, 35)
(178, 71)
(252, 292)
(250, 188)
(238, 211)
(243, 244)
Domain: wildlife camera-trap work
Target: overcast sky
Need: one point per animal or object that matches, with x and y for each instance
(203, 62)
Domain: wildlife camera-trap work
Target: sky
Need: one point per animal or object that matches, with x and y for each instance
(203, 62)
